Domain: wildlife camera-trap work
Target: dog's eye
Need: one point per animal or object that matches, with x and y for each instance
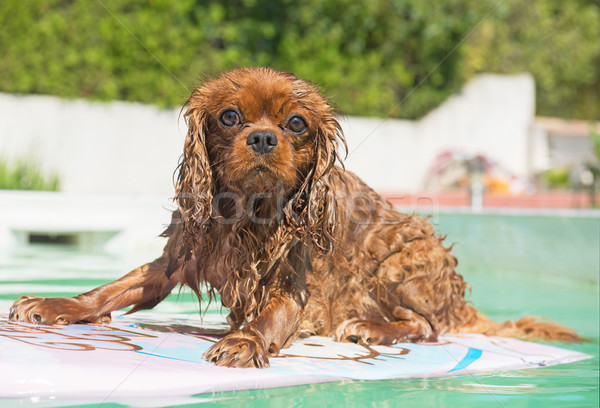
(229, 118)
(296, 124)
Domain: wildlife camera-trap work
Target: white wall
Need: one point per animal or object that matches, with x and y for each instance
(492, 115)
(116, 148)
(130, 148)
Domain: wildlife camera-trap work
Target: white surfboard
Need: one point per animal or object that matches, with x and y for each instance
(160, 356)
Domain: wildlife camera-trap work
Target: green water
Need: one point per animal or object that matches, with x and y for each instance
(517, 265)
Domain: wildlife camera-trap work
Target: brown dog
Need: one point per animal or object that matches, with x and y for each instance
(293, 244)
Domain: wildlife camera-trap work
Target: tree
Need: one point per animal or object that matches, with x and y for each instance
(378, 57)
(557, 41)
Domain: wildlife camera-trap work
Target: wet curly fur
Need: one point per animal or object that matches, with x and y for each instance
(293, 244)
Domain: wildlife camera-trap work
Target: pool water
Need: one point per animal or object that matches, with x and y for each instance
(546, 265)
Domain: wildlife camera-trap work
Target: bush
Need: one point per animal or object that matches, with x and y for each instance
(26, 176)
(558, 177)
(382, 57)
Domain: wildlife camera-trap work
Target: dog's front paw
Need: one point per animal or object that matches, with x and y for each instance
(239, 349)
(39, 310)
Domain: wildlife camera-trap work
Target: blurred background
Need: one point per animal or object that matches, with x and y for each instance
(460, 92)
(484, 114)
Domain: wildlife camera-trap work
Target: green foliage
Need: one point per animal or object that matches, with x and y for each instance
(595, 138)
(375, 57)
(557, 178)
(557, 41)
(23, 175)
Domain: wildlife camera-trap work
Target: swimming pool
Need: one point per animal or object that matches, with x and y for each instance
(518, 264)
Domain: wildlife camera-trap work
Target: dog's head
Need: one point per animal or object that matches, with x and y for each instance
(252, 131)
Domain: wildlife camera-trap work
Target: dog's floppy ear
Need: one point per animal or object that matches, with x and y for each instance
(320, 214)
(194, 188)
(322, 207)
(329, 137)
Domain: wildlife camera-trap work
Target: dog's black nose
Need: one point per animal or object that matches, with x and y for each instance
(262, 141)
